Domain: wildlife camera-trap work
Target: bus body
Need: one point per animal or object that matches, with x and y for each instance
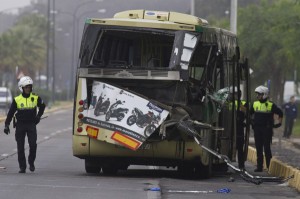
(140, 75)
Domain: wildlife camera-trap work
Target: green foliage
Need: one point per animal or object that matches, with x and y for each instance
(296, 129)
(269, 37)
(222, 23)
(44, 94)
(24, 45)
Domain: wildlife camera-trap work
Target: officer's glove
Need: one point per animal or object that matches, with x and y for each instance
(37, 119)
(6, 130)
(277, 125)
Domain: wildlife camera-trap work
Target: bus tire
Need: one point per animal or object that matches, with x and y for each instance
(109, 170)
(92, 166)
(203, 171)
(185, 171)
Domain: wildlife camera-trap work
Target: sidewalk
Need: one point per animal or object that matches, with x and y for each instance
(286, 157)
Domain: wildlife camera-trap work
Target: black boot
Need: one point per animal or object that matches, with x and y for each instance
(31, 167)
(22, 170)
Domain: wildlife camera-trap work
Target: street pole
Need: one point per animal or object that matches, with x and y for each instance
(192, 7)
(74, 35)
(48, 44)
(53, 55)
(233, 16)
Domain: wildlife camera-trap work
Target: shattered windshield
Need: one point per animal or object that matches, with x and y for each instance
(126, 48)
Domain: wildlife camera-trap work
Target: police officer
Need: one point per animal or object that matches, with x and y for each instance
(240, 124)
(25, 106)
(263, 112)
(290, 110)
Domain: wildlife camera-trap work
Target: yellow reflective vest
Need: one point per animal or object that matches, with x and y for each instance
(263, 113)
(265, 107)
(26, 103)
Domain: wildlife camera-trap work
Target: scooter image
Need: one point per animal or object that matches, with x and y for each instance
(115, 112)
(101, 106)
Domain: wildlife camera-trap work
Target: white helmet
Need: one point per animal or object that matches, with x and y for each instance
(262, 90)
(24, 81)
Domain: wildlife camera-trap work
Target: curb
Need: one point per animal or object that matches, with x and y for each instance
(278, 168)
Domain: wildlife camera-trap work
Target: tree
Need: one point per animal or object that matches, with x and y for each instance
(268, 36)
(24, 45)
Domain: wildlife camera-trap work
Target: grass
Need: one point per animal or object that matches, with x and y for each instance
(296, 129)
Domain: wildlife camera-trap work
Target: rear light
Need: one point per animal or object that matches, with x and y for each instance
(79, 129)
(81, 102)
(80, 116)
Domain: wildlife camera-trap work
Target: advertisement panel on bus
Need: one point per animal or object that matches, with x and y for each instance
(129, 118)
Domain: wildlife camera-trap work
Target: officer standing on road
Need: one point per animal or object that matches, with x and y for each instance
(290, 110)
(25, 106)
(263, 112)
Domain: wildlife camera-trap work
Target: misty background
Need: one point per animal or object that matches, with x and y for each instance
(54, 70)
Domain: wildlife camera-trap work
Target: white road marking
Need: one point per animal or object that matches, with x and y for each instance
(4, 155)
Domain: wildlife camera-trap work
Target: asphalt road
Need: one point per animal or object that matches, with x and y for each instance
(60, 175)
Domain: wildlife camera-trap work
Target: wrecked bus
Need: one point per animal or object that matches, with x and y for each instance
(147, 83)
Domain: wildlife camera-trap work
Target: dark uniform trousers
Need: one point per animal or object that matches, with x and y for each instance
(263, 139)
(21, 130)
(240, 139)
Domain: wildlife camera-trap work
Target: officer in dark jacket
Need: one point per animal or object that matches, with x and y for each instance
(290, 110)
(263, 112)
(25, 106)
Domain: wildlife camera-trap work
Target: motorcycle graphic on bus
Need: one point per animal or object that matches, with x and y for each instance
(148, 120)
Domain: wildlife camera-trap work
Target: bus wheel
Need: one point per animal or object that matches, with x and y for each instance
(203, 171)
(92, 167)
(109, 170)
(185, 171)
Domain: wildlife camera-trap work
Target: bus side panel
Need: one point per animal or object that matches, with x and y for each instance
(81, 145)
(186, 151)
